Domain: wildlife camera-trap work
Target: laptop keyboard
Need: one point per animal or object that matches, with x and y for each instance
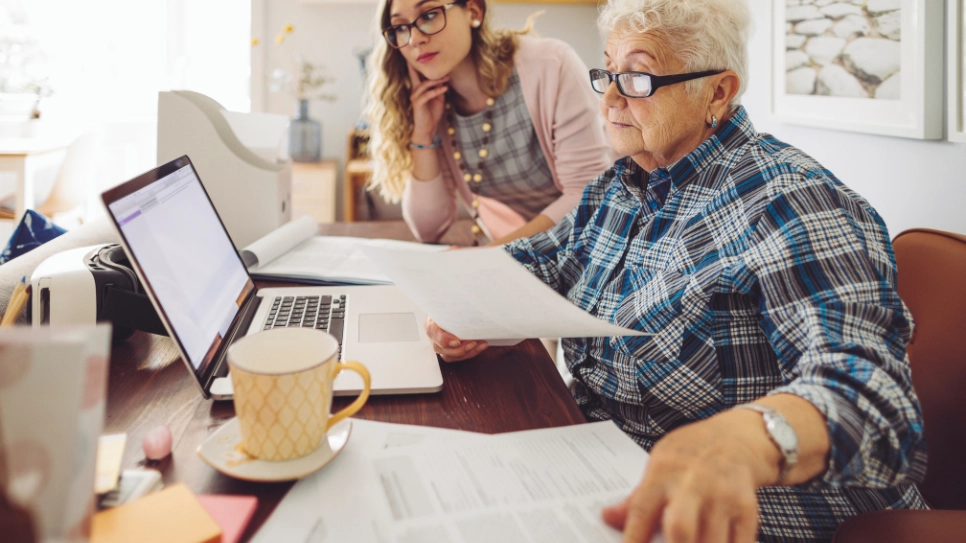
(326, 313)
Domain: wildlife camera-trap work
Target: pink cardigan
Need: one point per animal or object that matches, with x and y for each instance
(565, 115)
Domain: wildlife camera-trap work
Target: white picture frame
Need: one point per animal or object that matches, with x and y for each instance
(956, 84)
(918, 111)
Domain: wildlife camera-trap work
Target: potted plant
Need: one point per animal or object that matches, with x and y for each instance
(23, 72)
(305, 82)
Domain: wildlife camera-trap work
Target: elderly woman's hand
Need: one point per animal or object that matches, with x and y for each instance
(450, 347)
(700, 483)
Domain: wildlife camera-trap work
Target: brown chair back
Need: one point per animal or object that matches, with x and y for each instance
(932, 283)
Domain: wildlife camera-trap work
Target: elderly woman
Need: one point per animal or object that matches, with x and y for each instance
(775, 394)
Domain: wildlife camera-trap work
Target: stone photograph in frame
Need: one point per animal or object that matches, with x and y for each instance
(872, 66)
(955, 75)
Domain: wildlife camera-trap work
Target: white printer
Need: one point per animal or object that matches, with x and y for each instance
(238, 157)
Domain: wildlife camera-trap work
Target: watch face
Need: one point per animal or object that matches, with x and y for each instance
(783, 434)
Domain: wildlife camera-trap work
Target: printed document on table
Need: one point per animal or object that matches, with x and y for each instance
(406, 484)
(294, 251)
(484, 294)
(535, 486)
(342, 501)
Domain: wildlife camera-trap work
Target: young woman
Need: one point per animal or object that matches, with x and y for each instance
(500, 123)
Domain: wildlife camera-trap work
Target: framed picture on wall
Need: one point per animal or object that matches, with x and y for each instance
(874, 66)
(955, 75)
(584, 2)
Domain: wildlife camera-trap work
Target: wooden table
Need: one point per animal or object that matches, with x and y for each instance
(23, 157)
(502, 390)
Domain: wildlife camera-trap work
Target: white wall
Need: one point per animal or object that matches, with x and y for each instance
(331, 33)
(912, 183)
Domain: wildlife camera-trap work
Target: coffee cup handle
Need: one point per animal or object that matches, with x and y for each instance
(356, 405)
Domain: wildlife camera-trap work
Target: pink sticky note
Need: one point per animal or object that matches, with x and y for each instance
(232, 513)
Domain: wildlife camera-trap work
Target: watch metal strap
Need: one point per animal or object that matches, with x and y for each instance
(789, 457)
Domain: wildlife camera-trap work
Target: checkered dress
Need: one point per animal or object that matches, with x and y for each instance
(515, 172)
(759, 273)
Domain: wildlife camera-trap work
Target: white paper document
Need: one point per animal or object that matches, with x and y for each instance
(484, 294)
(403, 484)
(342, 502)
(535, 486)
(294, 251)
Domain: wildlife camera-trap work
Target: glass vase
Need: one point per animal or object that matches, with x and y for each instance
(304, 136)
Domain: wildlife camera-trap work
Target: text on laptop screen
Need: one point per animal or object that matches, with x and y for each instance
(187, 258)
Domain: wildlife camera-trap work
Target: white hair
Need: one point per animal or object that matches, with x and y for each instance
(703, 34)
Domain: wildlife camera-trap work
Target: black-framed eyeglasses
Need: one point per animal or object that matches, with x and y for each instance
(429, 22)
(640, 84)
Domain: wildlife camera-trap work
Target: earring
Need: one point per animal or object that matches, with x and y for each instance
(476, 23)
(714, 122)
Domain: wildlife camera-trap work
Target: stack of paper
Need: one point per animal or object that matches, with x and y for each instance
(295, 252)
(408, 483)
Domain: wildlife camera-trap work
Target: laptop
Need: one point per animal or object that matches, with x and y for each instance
(206, 299)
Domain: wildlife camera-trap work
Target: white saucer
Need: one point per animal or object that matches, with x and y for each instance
(222, 451)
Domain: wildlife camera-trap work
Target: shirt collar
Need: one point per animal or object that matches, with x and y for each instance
(734, 133)
(648, 188)
(631, 176)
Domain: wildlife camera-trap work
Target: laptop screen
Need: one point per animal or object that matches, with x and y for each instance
(185, 255)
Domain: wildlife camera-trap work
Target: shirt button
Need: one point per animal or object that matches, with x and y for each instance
(653, 205)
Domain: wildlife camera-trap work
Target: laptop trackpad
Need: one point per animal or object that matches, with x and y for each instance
(388, 327)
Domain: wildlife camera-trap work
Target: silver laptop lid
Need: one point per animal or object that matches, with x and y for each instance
(184, 258)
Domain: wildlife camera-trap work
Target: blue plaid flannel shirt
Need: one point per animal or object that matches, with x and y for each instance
(759, 273)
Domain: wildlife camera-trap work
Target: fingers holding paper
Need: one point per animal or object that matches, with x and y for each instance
(449, 347)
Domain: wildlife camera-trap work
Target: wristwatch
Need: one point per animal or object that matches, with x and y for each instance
(781, 433)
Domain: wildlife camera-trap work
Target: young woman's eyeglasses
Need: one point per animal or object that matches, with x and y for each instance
(429, 22)
(640, 84)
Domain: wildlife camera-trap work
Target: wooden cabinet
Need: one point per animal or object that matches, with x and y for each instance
(313, 190)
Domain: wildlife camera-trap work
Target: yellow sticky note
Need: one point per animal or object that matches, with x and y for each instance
(172, 515)
(110, 452)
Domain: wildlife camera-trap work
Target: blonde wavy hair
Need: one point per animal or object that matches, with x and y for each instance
(390, 112)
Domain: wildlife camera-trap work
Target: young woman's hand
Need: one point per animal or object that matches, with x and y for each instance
(428, 99)
(449, 347)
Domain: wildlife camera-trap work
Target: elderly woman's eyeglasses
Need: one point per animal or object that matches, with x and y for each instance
(640, 84)
(429, 22)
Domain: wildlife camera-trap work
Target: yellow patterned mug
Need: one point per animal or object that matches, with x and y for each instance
(283, 390)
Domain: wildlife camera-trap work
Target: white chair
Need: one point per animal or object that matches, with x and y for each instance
(72, 185)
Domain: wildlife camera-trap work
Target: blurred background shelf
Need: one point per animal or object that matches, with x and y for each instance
(313, 190)
(358, 170)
